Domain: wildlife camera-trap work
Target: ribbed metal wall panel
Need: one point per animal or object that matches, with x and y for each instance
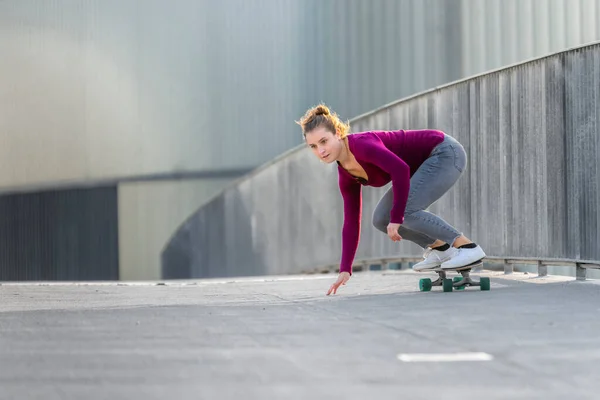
(496, 33)
(531, 188)
(59, 235)
(582, 128)
(360, 54)
(96, 90)
(371, 53)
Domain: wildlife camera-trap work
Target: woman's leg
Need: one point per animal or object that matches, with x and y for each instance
(433, 258)
(430, 182)
(381, 219)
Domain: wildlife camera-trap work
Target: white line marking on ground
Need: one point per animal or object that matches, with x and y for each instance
(444, 357)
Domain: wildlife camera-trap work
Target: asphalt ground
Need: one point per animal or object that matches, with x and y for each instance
(262, 338)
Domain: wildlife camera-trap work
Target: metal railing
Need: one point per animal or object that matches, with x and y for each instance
(507, 263)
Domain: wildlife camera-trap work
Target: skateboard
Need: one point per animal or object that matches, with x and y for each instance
(458, 283)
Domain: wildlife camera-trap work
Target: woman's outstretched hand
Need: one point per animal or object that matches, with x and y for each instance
(392, 230)
(341, 280)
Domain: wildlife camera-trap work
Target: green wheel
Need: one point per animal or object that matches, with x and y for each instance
(485, 283)
(447, 285)
(425, 285)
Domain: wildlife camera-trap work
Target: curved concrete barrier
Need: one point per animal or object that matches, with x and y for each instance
(531, 189)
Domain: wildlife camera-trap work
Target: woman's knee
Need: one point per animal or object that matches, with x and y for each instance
(380, 221)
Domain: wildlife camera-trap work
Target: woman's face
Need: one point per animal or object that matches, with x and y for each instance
(326, 145)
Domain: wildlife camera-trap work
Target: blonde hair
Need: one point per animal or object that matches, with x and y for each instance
(321, 116)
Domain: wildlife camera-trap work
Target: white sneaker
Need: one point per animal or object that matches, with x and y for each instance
(464, 256)
(434, 258)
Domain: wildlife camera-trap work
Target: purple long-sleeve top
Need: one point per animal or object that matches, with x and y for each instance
(385, 156)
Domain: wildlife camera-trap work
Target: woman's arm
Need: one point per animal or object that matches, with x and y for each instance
(375, 152)
(352, 195)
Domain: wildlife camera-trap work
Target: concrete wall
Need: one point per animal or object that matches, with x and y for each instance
(150, 212)
(532, 187)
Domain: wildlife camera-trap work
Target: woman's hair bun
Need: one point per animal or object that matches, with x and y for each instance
(321, 110)
(320, 115)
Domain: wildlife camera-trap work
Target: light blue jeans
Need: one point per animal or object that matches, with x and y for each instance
(434, 177)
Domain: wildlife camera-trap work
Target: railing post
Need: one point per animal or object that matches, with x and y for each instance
(508, 268)
(542, 269)
(580, 272)
(404, 264)
(366, 266)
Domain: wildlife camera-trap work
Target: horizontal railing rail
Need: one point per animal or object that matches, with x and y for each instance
(507, 263)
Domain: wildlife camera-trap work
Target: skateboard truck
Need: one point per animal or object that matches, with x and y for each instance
(458, 283)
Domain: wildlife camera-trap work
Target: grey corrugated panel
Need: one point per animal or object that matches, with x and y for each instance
(380, 50)
(530, 189)
(59, 235)
(582, 133)
(502, 32)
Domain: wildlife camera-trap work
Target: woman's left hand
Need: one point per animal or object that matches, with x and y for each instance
(392, 230)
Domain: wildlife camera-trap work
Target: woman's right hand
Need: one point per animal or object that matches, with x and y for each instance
(341, 280)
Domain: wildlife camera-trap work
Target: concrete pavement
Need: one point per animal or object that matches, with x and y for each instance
(281, 337)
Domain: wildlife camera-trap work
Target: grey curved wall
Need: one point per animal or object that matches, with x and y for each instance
(532, 134)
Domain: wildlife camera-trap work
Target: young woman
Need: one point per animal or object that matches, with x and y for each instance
(421, 164)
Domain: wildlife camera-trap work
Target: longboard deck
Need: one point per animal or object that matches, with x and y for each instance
(461, 268)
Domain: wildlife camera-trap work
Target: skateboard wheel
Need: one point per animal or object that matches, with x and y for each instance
(425, 285)
(447, 285)
(484, 283)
